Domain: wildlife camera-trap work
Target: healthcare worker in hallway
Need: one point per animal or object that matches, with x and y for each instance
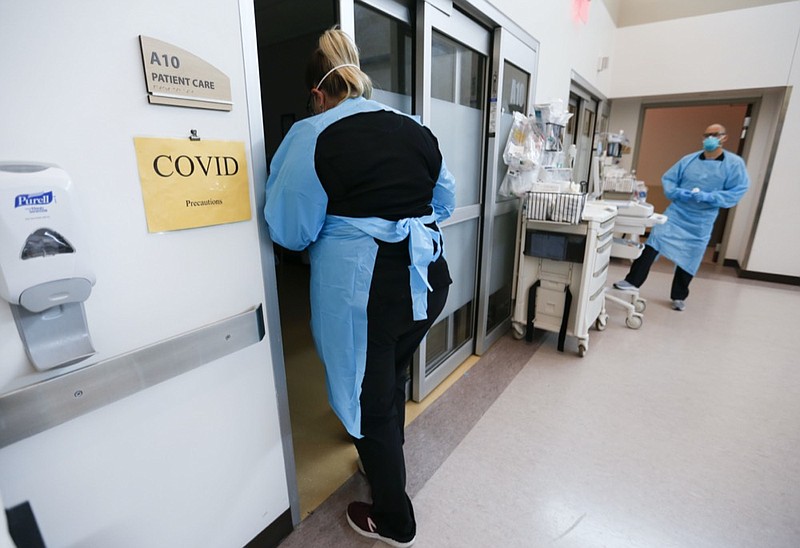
(363, 187)
(698, 185)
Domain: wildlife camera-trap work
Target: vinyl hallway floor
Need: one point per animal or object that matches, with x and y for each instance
(684, 433)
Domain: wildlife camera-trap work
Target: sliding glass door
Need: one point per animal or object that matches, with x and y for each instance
(464, 81)
(514, 66)
(454, 54)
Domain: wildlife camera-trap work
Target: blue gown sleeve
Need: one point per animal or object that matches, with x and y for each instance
(736, 184)
(671, 179)
(296, 203)
(444, 194)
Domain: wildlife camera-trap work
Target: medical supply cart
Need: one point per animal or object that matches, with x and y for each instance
(564, 249)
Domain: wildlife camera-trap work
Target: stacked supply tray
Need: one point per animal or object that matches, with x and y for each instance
(562, 265)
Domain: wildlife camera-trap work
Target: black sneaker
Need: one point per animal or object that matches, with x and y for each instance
(359, 519)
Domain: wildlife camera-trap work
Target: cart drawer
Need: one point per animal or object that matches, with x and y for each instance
(603, 239)
(602, 257)
(602, 234)
(599, 276)
(593, 308)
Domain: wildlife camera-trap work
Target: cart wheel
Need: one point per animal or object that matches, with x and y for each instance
(639, 305)
(602, 322)
(582, 350)
(517, 331)
(634, 321)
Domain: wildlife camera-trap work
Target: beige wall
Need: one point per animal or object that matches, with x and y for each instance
(669, 133)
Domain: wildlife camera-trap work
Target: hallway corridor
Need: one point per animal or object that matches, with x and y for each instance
(685, 433)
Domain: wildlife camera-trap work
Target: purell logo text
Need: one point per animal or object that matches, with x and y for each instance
(27, 200)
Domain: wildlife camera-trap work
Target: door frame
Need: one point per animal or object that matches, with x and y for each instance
(581, 88)
(752, 103)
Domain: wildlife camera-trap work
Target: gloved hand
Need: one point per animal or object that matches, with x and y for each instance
(683, 195)
(703, 197)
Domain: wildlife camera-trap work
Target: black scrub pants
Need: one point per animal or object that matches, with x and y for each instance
(392, 338)
(641, 268)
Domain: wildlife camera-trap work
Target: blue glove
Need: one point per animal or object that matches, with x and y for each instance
(703, 197)
(683, 195)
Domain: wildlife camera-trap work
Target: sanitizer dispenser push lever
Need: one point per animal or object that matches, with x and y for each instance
(44, 271)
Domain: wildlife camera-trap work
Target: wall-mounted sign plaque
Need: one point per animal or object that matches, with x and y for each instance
(189, 184)
(179, 78)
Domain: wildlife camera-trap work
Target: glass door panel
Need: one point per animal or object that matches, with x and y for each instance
(584, 138)
(501, 269)
(386, 50)
(455, 119)
(452, 125)
(569, 130)
(454, 53)
(515, 68)
(514, 98)
(582, 128)
(455, 325)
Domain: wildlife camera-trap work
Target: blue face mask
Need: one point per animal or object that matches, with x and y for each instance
(710, 143)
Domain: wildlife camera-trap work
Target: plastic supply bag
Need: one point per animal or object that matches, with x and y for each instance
(520, 152)
(522, 156)
(517, 182)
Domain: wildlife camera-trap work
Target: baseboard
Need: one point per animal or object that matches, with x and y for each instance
(274, 533)
(761, 276)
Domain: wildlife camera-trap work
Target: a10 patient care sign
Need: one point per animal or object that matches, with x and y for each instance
(177, 77)
(190, 184)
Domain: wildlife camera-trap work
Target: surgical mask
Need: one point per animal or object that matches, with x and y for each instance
(710, 143)
(334, 68)
(310, 102)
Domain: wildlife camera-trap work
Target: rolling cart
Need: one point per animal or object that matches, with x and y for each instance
(564, 249)
(633, 218)
(615, 187)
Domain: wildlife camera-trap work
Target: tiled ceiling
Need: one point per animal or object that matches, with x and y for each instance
(627, 13)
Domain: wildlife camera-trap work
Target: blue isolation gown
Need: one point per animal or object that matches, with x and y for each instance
(343, 252)
(685, 235)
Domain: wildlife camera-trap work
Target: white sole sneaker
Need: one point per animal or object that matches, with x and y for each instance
(360, 510)
(624, 285)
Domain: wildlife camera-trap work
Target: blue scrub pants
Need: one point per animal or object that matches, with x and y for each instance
(392, 338)
(641, 268)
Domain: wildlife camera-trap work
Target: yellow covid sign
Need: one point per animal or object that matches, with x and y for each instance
(190, 184)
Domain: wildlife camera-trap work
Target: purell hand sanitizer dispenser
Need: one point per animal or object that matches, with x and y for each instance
(44, 271)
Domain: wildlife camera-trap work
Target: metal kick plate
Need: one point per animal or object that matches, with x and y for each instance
(43, 405)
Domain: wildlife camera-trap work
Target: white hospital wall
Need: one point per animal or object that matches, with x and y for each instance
(750, 49)
(778, 233)
(567, 44)
(196, 460)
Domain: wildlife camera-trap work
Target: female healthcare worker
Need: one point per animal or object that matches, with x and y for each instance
(363, 187)
(698, 185)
